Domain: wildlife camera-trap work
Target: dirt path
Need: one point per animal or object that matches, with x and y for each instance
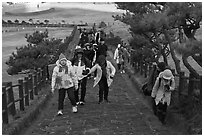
(126, 114)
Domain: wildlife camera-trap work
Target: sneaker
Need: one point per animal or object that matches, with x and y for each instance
(59, 113)
(82, 103)
(107, 101)
(100, 102)
(77, 103)
(74, 109)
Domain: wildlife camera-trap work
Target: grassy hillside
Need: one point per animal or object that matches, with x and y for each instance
(11, 40)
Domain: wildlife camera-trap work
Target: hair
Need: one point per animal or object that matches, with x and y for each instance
(161, 65)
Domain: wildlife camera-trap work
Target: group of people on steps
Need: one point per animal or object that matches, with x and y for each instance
(70, 76)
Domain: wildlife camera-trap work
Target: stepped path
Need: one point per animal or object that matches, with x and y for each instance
(126, 114)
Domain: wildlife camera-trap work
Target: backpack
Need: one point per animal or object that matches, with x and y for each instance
(145, 90)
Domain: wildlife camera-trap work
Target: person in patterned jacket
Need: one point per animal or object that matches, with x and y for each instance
(64, 79)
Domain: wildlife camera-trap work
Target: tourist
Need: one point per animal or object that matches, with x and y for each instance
(81, 67)
(64, 79)
(104, 77)
(118, 57)
(161, 93)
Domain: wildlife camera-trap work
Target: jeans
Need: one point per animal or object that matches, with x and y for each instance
(82, 85)
(103, 89)
(62, 93)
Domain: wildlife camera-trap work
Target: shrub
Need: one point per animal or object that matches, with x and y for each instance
(37, 54)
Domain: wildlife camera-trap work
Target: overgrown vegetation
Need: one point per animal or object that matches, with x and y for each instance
(163, 28)
(159, 25)
(39, 52)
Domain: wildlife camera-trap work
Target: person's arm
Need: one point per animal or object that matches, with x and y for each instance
(155, 88)
(93, 69)
(54, 75)
(172, 86)
(115, 54)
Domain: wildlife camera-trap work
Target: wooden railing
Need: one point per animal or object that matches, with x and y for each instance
(28, 88)
(186, 86)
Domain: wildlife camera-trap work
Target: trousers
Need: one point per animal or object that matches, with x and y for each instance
(61, 97)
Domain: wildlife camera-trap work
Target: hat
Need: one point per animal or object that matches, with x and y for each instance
(77, 46)
(102, 39)
(62, 56)
(119, 45)
(79, 50)
(167, 74)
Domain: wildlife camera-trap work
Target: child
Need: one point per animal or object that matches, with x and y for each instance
(81, 66)
(161, 93)
(104, 77)
(64, 79)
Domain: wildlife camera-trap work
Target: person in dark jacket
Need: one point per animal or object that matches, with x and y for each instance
(104, 78)
(102, 49)
(81, 66)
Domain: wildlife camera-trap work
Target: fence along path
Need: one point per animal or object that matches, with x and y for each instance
(186, 87)
(27, 88)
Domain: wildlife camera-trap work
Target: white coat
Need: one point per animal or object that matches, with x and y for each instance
(159, 92)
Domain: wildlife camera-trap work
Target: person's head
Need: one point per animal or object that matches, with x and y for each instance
(102, 41)
(62, 59)
(101, 61)
(167, 76)
(79, 52)
(161, 66)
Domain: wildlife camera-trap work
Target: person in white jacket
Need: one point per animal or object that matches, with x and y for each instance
(161, 93)
(64, 79)
(118, 57)
(104, 77)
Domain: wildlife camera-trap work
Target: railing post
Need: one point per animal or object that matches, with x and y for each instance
(11, 99)
(150, 69)
(31, 86)
(141, 66)
(35, 84)
(21, 95)
(38, 79)
(42, 76)
(145, 70)
(190, 85)
(47, 72)
(26, 91)
(181, 82)
(173, 71)
(200, 87)
(4, 105)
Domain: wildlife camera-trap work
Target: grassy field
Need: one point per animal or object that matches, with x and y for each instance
(14, 39)
(11, 40)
